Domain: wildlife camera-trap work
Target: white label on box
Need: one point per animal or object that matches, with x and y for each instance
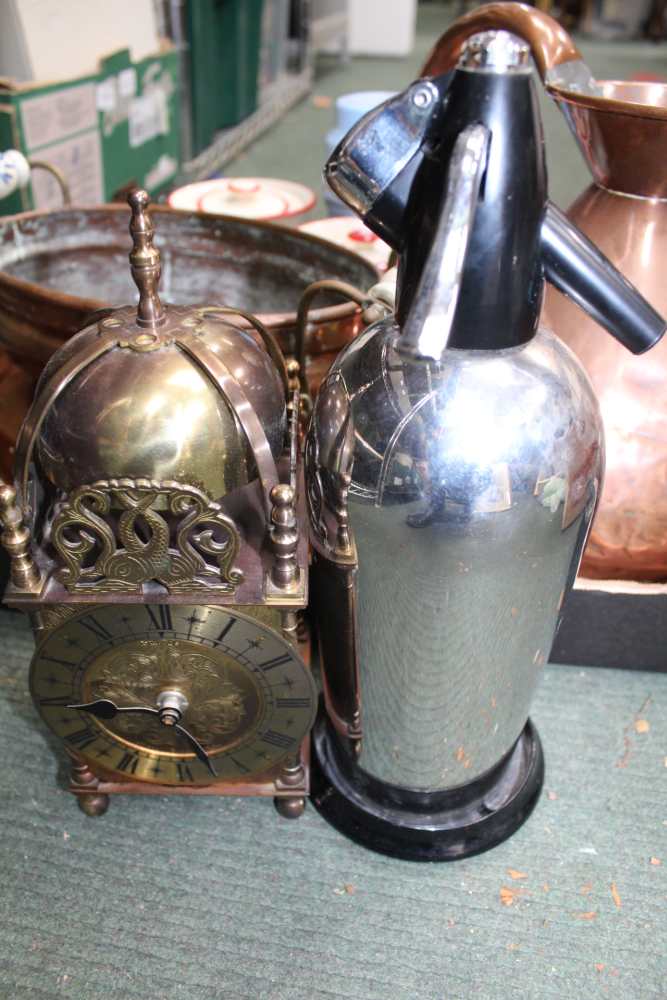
(127, 82)
(106, 94)
(80, 160)
(55, 116)
(148, 117)
(164, 169)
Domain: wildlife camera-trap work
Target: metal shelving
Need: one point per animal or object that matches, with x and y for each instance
(277, 99)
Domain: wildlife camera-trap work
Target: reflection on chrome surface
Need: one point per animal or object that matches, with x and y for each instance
(470, 489)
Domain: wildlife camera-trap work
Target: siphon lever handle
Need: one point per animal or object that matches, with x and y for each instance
(428, 325)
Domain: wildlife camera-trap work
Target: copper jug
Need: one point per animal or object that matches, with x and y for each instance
(621, 130)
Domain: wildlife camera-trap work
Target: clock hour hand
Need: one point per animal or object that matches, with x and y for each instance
(103, 708)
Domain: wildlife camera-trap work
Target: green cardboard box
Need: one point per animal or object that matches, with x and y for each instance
(106, 132)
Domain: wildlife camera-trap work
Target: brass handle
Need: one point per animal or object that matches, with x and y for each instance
(549, 42)
(59, 176)
(362, 299)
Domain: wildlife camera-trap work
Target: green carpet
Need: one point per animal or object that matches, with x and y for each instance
(220, 899)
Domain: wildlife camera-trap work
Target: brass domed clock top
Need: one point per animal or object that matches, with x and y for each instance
(156, 526)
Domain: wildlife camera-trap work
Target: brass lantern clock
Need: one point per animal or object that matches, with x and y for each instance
(156, 535)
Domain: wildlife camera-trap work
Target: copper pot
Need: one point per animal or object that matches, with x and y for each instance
(56, 268)
(16, 391)
(621, 130)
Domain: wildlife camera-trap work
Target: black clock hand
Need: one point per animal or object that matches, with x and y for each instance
(197, 747)
(103, 708)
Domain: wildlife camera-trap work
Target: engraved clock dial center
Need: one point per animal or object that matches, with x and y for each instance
(218, 698)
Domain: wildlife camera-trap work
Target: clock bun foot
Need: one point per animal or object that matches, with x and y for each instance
(93, 805)
(84, 785)
(291, 807)
(425, 826)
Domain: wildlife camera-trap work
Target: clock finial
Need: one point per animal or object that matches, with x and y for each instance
(145, 261)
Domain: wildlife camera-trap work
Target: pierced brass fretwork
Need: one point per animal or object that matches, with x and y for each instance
(110, 538)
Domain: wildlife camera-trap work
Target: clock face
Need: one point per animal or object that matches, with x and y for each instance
(174, 694)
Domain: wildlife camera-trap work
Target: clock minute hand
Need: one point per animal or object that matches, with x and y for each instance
(197, 747)
(103, 708)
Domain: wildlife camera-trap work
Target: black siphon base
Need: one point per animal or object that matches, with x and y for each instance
(425, 826)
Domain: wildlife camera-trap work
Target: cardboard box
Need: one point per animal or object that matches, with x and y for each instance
(39, 39)
(106, 132)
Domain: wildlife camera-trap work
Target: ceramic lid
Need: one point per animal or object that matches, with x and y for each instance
(246, 197)
(349, 232)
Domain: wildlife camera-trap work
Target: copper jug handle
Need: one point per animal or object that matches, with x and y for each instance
(550, 44)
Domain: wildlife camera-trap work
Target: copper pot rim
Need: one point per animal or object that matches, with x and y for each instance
(608, 104)
(323, 315)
